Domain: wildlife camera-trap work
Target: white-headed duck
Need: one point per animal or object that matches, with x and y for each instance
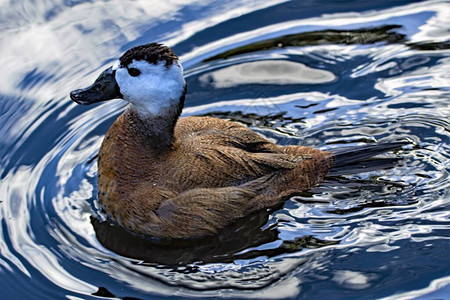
(170, 177)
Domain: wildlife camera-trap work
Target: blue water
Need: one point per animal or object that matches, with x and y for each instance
(326, 74)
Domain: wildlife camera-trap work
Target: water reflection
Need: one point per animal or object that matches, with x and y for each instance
(266, 72)
(243, 240)
(347, 37)
(386, 33)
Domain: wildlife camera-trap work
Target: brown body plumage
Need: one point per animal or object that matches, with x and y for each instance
(213, 173)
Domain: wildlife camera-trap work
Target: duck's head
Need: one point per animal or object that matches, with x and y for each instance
(149, 77)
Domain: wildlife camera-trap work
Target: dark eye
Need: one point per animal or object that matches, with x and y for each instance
(134, 72)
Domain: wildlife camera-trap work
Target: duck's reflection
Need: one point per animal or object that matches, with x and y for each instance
(234, 242)
(222, 247)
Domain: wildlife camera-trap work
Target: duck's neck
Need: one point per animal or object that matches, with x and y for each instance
(154, 131)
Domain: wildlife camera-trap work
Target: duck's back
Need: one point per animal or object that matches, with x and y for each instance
(210, 152)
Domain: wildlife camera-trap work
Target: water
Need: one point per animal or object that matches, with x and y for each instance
(321, 73)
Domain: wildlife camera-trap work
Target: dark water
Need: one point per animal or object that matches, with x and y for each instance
(321, 73)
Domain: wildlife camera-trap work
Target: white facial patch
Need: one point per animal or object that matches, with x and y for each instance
(155, 89)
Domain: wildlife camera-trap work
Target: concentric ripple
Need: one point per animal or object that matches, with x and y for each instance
(329, 77)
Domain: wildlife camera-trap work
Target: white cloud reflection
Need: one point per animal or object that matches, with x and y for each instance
(279, 72)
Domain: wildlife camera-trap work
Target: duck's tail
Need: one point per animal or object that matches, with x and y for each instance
(362, 158)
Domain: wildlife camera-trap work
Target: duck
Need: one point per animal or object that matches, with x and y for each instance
(172, 177)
